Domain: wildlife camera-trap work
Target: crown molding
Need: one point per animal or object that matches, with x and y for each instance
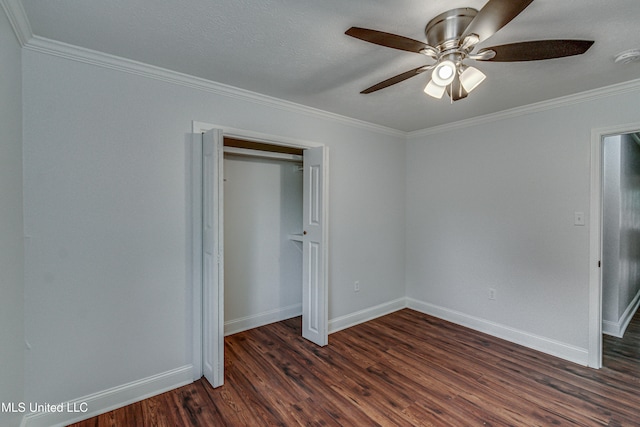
(88, 56)
(18, 18)
(590, 95)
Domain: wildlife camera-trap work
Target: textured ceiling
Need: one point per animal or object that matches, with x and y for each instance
(296, 50)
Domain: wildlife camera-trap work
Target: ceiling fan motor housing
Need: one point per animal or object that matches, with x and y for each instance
(444, 31)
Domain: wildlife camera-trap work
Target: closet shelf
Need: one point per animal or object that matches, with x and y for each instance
(295, 237)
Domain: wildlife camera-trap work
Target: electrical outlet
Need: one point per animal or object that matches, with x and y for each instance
(356, 286)
(492, 293)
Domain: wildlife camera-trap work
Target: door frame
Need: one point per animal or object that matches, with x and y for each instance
(195, 223)
(595, 237)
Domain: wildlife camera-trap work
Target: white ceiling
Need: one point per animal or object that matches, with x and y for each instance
(296, 50)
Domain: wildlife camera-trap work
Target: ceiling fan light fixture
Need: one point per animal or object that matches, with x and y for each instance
(434, 90)
(444, 73)
(471, 77)
(430, 51)
(627, 57)
(483, 55)
(469, 42)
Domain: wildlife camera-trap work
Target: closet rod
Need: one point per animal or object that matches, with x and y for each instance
(262, 146)
(263, 154)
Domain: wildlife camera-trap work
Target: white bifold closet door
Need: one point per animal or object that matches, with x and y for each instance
(213, 257)
(315, 257)
(314, 290)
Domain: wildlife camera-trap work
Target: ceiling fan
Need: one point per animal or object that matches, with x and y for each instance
(451, 39)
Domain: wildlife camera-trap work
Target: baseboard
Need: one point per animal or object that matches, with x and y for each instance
(245, 323)
(526, 339)
(113, 398)
(617, 329)
(611, 328)
(344, 322)
(249, 322)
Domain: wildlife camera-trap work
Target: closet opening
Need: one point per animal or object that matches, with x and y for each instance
(263, 217)
(282, 246)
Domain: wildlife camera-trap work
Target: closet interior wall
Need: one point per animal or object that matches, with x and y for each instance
(263, 266)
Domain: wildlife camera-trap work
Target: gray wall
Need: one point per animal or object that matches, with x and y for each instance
(11, 228)
(263, 268)
(491, 205)
(621, 239)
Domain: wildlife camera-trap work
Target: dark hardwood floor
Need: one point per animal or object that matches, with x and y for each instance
(623, 354)
(403, 369)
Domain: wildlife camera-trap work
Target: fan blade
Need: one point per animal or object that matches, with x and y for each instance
(397, 79)
(455, 90)
(537, 50)
(387, 39)
(493, 16)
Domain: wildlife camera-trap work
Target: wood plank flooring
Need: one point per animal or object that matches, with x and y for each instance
(403, 369)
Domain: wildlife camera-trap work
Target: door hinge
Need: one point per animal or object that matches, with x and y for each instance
(599, 264)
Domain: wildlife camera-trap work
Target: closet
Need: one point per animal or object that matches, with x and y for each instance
(263, 204)
(272, 239)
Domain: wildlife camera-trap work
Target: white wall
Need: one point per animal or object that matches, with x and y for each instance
(621, 240)
(263, 268)
(491, 205)
(11, 229)
(107, 294)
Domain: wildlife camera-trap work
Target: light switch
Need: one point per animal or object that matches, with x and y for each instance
(578, 218)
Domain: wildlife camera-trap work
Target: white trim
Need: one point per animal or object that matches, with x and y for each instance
(256, 320)
(617, 329)
(113, 398)
(595, 252)
(611, 328)
(18, 18)
(353, 319)
(590, 95)
(247, 135)
(535, 342)
(88, 56)
(595, 238)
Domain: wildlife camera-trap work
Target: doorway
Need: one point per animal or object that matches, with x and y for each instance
(262, 210)
(599, 244)
(207, 242)
(620, 243)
